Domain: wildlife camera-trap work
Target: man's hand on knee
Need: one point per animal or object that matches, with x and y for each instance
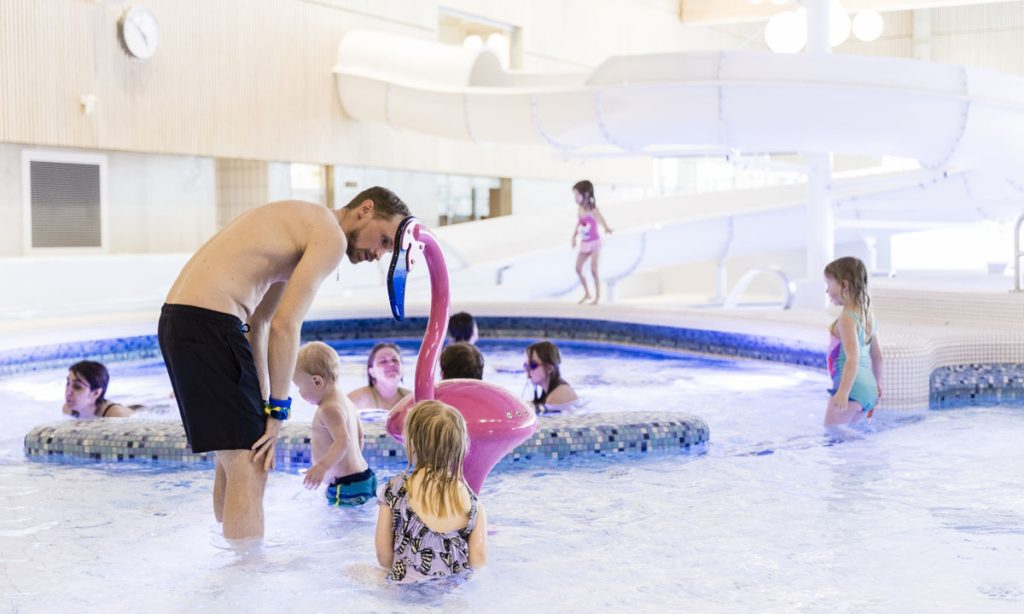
(264, 446)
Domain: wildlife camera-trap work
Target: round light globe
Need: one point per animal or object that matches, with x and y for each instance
(786, 32)
(867, 26)
(497, 40)
(473, 42)
(838, 24)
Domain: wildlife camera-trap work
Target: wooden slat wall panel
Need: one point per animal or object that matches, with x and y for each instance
(251, 79)
(988, 37)
(984, 36)
(732, 11)
(232, 78)
(244, 79)
(897, 38)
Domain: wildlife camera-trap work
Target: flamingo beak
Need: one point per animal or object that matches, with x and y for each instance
(398, 271)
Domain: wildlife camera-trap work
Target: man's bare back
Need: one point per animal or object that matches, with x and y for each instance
(232, 272)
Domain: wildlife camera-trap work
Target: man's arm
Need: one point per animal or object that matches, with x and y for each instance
(321, 257)
(259, 329)
(323, 252)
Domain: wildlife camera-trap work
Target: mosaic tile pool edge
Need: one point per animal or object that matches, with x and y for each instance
(557, 437)
(976, 385)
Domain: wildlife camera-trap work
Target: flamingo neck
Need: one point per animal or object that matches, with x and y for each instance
(437, 323)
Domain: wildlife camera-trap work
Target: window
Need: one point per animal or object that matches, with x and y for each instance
(464, 199)
(308, 182)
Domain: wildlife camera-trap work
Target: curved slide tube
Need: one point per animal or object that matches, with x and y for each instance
(713, 103)
(966, 125)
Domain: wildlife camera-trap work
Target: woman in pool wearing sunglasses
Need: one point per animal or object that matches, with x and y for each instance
(550, 391)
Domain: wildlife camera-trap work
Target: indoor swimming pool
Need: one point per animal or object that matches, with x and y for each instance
(916, 510)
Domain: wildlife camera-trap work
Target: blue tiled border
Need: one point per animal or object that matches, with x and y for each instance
(602, 331)
(63, 354)
(955, 386)
(967, 385)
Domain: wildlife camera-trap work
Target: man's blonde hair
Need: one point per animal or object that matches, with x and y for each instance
(318, 358)
(436, 443)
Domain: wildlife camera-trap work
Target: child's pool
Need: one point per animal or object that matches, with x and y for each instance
(922, 511)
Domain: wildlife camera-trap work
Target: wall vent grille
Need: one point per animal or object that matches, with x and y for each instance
(65, 205)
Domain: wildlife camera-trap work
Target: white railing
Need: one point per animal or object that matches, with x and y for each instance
(732, 300)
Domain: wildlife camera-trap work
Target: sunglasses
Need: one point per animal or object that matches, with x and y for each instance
(530, 366)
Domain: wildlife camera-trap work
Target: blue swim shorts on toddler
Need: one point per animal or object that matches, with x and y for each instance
(352, 490)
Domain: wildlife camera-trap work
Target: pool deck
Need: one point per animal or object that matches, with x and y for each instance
(921, 330)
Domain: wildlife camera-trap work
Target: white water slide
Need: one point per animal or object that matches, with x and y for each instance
(964, 125)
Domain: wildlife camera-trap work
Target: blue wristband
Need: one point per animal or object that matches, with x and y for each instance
(278, 409)
(285, 404)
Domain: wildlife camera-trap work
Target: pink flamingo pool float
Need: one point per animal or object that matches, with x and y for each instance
(496, 420)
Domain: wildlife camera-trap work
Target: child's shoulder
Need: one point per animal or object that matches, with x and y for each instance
(395, 487)
(330, 410)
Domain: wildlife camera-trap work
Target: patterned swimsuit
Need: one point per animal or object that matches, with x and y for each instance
(588, 228)
(420, 552)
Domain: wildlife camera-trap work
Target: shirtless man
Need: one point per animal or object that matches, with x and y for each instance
(229, 332)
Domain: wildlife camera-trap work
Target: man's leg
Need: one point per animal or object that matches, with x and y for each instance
(243, 494)
(219, 485)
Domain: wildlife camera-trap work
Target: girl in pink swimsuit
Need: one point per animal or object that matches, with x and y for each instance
(590, 238)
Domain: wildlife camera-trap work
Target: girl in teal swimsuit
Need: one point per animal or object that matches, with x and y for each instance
(855, 356)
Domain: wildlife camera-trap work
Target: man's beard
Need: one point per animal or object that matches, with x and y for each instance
(351, 236)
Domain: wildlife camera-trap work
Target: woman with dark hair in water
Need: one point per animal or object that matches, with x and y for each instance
(85, 393)
(549, 389)
(590, 238)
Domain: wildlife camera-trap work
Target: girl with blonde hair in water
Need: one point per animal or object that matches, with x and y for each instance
(855, 355)
(430, 524)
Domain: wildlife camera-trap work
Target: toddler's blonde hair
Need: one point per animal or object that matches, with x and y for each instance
(318, 358)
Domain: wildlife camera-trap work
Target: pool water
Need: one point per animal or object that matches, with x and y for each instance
(921, 511)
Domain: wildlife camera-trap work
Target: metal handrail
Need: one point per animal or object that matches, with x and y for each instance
(1017, 253)
(741, 286)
